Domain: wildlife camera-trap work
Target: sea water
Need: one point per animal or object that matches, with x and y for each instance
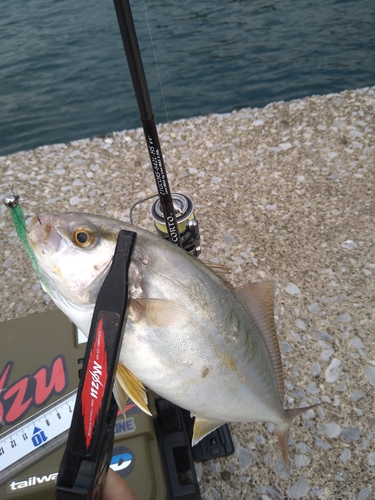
(64, 76)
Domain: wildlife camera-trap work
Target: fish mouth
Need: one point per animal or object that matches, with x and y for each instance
(43, 235)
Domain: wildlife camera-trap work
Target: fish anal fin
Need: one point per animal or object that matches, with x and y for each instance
(257, 300)
(130, 386)
(157, 312)
(202, 427)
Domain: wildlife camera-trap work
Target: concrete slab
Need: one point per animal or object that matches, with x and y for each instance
(283, 192)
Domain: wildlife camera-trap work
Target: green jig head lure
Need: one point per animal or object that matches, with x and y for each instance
(12, 202)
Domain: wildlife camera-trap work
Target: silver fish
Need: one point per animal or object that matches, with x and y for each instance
(190, 336)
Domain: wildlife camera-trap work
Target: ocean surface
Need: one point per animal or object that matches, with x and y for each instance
(64, 76)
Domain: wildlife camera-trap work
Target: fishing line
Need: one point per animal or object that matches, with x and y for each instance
(137, 203)
(156, 61)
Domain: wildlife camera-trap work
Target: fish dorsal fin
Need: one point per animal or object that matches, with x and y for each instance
(220, 270)
(257, 300)
(129, 385)
(202, 427)
(157, 312)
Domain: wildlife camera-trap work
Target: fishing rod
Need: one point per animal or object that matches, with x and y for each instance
(137, 73)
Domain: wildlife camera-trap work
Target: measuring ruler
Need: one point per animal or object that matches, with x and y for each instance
(35, 437)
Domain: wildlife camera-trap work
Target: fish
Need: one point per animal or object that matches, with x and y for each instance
(190, 336)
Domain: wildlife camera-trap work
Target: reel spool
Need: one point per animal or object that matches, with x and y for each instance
(186, 221)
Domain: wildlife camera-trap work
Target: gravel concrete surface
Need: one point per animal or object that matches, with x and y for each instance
(283, 192)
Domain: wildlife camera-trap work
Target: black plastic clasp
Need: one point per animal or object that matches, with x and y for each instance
(175, 452)
(89, 448)
(174, 429)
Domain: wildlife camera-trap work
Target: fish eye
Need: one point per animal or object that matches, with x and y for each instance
(83, 237)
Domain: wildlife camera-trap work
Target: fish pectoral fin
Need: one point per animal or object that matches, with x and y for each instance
(157, 312)
(202, 427)
(128, 384)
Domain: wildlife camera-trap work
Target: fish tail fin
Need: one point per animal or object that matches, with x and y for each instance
(282, 435)
(283, 432)
(294, 412)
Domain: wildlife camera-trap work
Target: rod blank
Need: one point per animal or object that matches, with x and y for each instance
(137, 73)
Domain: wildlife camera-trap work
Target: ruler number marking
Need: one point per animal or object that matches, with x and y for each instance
(22, 445)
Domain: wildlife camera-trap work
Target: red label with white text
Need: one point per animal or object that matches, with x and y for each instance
(94, 384)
